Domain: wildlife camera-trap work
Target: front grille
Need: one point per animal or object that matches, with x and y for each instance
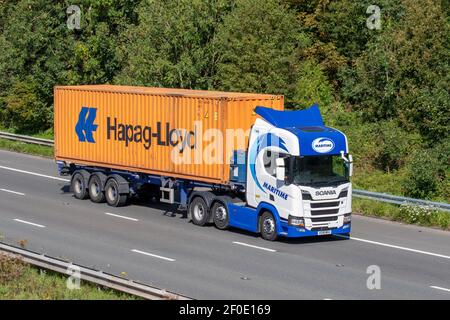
(324, 204)
(324, 219)
(324, 212)
(307, 196)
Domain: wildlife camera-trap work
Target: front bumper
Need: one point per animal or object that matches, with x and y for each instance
(296, 232)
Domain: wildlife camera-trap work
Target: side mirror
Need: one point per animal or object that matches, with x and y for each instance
(348, 163)
(280, 170)
(350, 168)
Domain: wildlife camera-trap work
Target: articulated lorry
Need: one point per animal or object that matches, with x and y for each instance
(230, 159)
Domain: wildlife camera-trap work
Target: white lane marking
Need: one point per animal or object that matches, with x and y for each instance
(252, 246)
(34, 174)
(397, 247)
(30, 223)
(440, 288)
(13, 192)
(153, 255)
(327, 299)
(119, 216)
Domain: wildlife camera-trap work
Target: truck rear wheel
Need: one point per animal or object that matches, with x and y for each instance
(95, 189)
(78, 186)
(268, 226)
(112, 195)
(198, 211)
(220, 215)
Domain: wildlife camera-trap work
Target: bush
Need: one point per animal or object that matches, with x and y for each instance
(380, 145)
(393, 145)
(23, 110)
(10, 268)
(425, 174)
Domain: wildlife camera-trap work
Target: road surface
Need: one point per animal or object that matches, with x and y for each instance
(154, 245)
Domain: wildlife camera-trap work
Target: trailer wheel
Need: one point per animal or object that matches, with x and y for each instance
(220, 215)
(95, 189)
(112, 195)
(78, 186)
(198, 211)
(268, 226)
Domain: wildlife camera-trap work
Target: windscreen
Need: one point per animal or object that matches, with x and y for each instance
(319, 170)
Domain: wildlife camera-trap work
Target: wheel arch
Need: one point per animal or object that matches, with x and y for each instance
(263, 207)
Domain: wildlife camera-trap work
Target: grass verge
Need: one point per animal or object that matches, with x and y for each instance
(28, 148)
(411, 214)
(21, 281)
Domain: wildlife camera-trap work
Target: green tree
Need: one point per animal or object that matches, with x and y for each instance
(404, 72)
(339, 30)
(426, 175)
(172, 45)
(38, 47)
(24, 111)
(312, 86)
(260, 44)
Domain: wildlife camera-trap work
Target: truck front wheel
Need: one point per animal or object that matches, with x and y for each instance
(220, 215)
(112, 195)
(198, 211)
(268, 226)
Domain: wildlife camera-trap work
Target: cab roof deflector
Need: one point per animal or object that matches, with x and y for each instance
(288, 119)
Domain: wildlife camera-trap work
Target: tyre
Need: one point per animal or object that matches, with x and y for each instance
(112, 195)
(268, 226)
(220, 215)
(199, 211)
(78, 186)
(95, 189)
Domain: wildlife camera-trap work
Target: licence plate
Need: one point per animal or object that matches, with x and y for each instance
(324, 232)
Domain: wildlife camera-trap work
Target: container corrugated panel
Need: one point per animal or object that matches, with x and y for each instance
(176, 133)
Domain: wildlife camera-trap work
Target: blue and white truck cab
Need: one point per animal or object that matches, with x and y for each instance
(297, 180)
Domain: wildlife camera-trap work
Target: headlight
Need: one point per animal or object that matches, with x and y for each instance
(347, 218)
(296, 221)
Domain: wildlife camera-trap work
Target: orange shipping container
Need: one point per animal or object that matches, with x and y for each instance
(167, 132)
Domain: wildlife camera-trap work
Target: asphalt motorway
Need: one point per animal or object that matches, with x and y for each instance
(157, 246)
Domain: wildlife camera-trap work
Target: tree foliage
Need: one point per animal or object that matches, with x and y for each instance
(260, 44)
(388, 89)
(172, 45)
(403, 73)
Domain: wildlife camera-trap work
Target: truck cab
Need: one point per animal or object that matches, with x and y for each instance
(298, 175)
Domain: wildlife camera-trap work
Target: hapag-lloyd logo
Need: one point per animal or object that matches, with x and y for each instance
(85, 125)
(164, 136)
(187, 146)
(129, 133)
